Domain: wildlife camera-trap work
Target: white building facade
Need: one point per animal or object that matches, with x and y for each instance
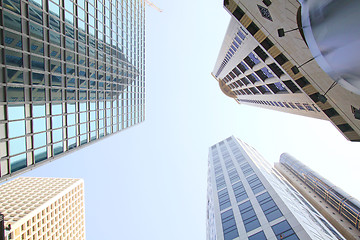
(43, 208)
(248, 199)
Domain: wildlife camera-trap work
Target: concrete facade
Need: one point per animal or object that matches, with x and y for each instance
(263, 51)
(43, 208)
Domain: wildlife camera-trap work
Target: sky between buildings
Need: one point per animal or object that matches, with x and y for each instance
(149, 181)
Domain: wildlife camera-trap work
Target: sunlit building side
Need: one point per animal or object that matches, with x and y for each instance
(265, 61)
(43, 208)
(72, 72)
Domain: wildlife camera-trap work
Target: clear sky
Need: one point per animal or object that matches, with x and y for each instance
(149, 181)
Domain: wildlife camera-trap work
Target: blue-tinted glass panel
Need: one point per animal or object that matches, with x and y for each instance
(56, 109)
(248, 216)
(269, 207)
(58, 148)
(258, 236)
(17, 145)
(18, 162)
(16, 112)
(57, 135)
(229, 225)
(16, 129)
(40, 154)
(39, 125)
(38, 110)
(39, 140)
(283, 230)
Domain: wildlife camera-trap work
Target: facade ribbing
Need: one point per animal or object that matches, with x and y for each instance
(43, 208)
(248, 199)
(72, 72)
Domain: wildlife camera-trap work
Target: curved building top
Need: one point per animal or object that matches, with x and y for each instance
(331, 29)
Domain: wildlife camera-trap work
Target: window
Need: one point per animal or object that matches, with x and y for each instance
(246, 169)
(239, 191)
(283, 230)
(229, 225)
(224, 200)
(248, 216)
(255, 184)
(269, 207)
(238, 13)
(258, 236)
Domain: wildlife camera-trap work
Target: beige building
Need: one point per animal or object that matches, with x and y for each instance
(43, 208)
(256, 66)
(338, 207)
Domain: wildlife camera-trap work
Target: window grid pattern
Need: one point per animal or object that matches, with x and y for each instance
(44, 212)
(269, 207)
(72, 72)
(248, 216)
(255, 184)
(229, 225)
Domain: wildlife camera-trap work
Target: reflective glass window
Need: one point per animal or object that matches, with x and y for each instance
(11, 21)
(58, 148)
(40, 154)
(17, 145)
(258, 236)
(18, 162)
(283, 230)
(269, 207)
(39, 140)
(248, 216)
(13, 58)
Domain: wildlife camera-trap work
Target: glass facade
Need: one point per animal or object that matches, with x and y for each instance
(72, 72)
(252, 201)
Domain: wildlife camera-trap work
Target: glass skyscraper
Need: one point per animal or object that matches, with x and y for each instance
(72, 72)
(248, 199)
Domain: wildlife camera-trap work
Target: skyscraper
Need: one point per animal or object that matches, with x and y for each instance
(248, 199)
(72, 72)
(265, 61)
(338, 207)
(43, 208)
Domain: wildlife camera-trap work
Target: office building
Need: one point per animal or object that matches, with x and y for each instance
(248, 199)
(338, 207)
(72, 72)
(43, 208)
(265, 61)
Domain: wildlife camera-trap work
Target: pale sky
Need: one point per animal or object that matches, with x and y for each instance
(150, 181)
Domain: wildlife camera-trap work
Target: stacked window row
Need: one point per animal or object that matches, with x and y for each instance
(290, 105)
(242, 81)
(66, 51)
(239, 37)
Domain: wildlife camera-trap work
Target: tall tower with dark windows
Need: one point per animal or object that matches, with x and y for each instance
(72, 72)
(265, 61)
(248, 199)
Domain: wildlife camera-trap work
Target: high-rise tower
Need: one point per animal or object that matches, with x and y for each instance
(248, 199)
(71, 72)
(265, 61)
(43, 208)
(337, 206)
